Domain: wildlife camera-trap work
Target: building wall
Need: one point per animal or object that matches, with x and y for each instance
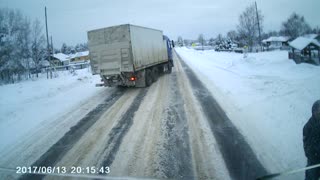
(81, 58)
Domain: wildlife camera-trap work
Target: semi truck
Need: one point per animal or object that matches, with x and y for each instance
(129, 55)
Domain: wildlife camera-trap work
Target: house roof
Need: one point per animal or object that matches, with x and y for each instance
(276, 39)
(62, 57)
(311, 36)
(80, 54)
(302, 42)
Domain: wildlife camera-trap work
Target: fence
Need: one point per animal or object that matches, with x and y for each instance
(71, 66)
(300, 58)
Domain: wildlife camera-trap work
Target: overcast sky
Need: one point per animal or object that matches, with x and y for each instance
(69, 20)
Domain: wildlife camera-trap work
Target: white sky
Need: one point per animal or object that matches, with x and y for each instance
(69, 20)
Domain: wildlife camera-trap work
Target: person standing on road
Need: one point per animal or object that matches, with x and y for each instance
(245, 51)
(311, 142)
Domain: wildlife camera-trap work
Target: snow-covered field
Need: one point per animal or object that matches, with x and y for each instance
(30, 104)
(266, 95)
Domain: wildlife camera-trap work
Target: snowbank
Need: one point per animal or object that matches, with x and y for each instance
(26, 105)
(266, 95)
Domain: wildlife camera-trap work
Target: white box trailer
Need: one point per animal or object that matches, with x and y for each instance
(129, 55)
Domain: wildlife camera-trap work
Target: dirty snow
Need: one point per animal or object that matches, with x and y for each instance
(266, 95)
(26, 105)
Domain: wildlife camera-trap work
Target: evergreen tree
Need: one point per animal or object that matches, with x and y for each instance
(295, 26)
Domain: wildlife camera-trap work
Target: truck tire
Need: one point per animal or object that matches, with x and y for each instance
(162, 69)
(169, 68)
(148, 77)
(155, 74)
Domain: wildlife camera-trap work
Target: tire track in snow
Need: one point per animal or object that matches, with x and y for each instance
(241, 161)
(60, 148)
(175, 161)
(138, 153)
(118, 132)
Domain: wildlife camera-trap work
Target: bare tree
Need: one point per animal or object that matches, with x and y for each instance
(180, 41)
(186, 42)
(64, 48)
(15, 45)
(219, 39)
(248, 26)
(211, 42)
(201, 40)
(38, 44)
(23, 46)
(78, 48)
(316, 30)
(295, 26)
(232, 35)
(233, 38)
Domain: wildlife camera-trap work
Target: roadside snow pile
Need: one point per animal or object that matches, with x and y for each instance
(28, 104)
(266, 95)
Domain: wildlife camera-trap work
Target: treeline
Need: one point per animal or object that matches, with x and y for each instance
(23, 47)
(247, 30)
(65, 49)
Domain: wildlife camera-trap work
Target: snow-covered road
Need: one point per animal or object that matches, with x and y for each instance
(175, 128)
(144, 133)
(266, 96)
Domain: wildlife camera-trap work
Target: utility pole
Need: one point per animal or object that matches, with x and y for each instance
(51, 46)
(202, 44)
(48, 45)
(258, 25)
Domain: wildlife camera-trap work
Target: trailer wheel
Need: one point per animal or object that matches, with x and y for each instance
(148, 77)
(155, 74)
(169, 68)
(160, 70)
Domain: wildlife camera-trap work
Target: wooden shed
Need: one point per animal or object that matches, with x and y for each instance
(305, 50)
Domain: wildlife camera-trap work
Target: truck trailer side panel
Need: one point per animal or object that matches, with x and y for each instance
(147, 47)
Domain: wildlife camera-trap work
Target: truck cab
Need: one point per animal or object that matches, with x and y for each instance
(170, 46)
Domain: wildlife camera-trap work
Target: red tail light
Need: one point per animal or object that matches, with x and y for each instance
(132, 78)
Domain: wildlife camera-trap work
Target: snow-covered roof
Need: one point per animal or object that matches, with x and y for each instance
(80, 54)
(61, 57)
(302, 42)
(276, 39)
(311, 36)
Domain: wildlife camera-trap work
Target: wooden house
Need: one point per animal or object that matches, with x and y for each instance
(276, 42)
(80, 56)
(60, 59)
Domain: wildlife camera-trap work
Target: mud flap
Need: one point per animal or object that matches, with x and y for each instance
(171, 63)
(141, 78)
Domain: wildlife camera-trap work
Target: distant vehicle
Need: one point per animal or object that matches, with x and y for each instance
(239, 50)
(129, 55)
